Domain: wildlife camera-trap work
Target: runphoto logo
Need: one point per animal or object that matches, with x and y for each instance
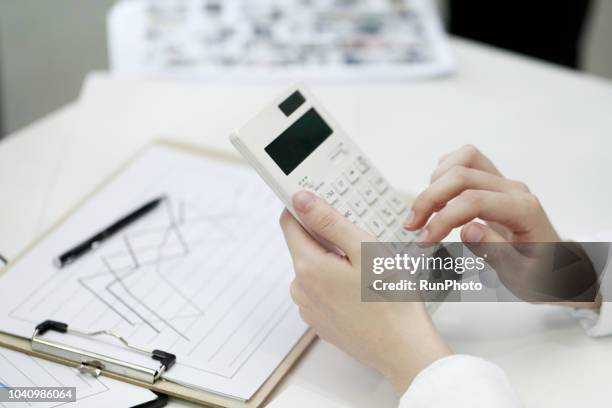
(412, 264)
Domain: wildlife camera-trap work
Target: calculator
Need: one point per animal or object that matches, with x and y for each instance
(294, 144)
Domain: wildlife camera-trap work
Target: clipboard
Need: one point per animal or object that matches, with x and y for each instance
(155, 382)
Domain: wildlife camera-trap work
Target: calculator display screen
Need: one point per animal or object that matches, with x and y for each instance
(301, 138)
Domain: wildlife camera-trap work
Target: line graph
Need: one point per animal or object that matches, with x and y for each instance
(144, 252)
(141, 254)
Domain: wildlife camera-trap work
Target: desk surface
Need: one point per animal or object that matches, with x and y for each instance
(547, 126)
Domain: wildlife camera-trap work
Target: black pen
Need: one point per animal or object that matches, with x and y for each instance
(73, 254)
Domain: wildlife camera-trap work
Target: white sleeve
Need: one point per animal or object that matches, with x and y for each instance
(598, 323)
(460, 381)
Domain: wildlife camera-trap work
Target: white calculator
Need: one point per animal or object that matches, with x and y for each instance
(294, 145)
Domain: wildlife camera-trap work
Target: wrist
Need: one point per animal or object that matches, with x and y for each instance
(401, 375)
(415, 345)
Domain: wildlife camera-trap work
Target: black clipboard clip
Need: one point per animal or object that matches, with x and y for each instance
(160, 402)
(94, 363)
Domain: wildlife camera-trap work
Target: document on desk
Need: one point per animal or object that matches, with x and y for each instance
(204, 276)
(279, 40)
(20, 370)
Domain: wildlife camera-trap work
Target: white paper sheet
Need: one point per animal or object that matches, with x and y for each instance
(278, 39)
(21, 370)
(204, 276)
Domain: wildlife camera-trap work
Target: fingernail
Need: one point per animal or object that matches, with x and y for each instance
(303, 201)
(474, 233)
(410, 219)
(423, 236)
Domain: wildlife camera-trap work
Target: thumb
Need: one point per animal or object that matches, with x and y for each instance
(327, 223)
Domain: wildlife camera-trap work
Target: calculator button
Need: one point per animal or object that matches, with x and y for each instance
(379, 183)
(351, 174)
(340, 185)
(358, 204)
(347, 213)
(360, 224)
(362, 164)
(375, 226)
(404, 235)
(397, 205)
(387, 237)
(330, 195)
(319, 185)
(386, 215)
(308, 187)
(339, 155)
(368, 194)
(367, 229)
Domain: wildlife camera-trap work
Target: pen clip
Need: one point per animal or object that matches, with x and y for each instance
(3, 261)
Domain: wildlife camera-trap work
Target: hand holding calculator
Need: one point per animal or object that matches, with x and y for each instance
(295, 145)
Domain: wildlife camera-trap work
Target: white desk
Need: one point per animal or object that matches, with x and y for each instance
(546, 126)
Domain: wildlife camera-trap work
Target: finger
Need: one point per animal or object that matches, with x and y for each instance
(506, 209)
(485, 242)
(300, 243)
(450, 185)
(311, 261)
(474, 233)
(306, 316)
(444, 157)
(329, 224)
(318, 322)
(467, 156)
(298, 295)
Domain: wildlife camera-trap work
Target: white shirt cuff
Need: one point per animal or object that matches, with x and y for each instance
(460, 381)
(598, 323)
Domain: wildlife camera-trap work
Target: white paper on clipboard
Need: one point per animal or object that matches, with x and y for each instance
(204, 276)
